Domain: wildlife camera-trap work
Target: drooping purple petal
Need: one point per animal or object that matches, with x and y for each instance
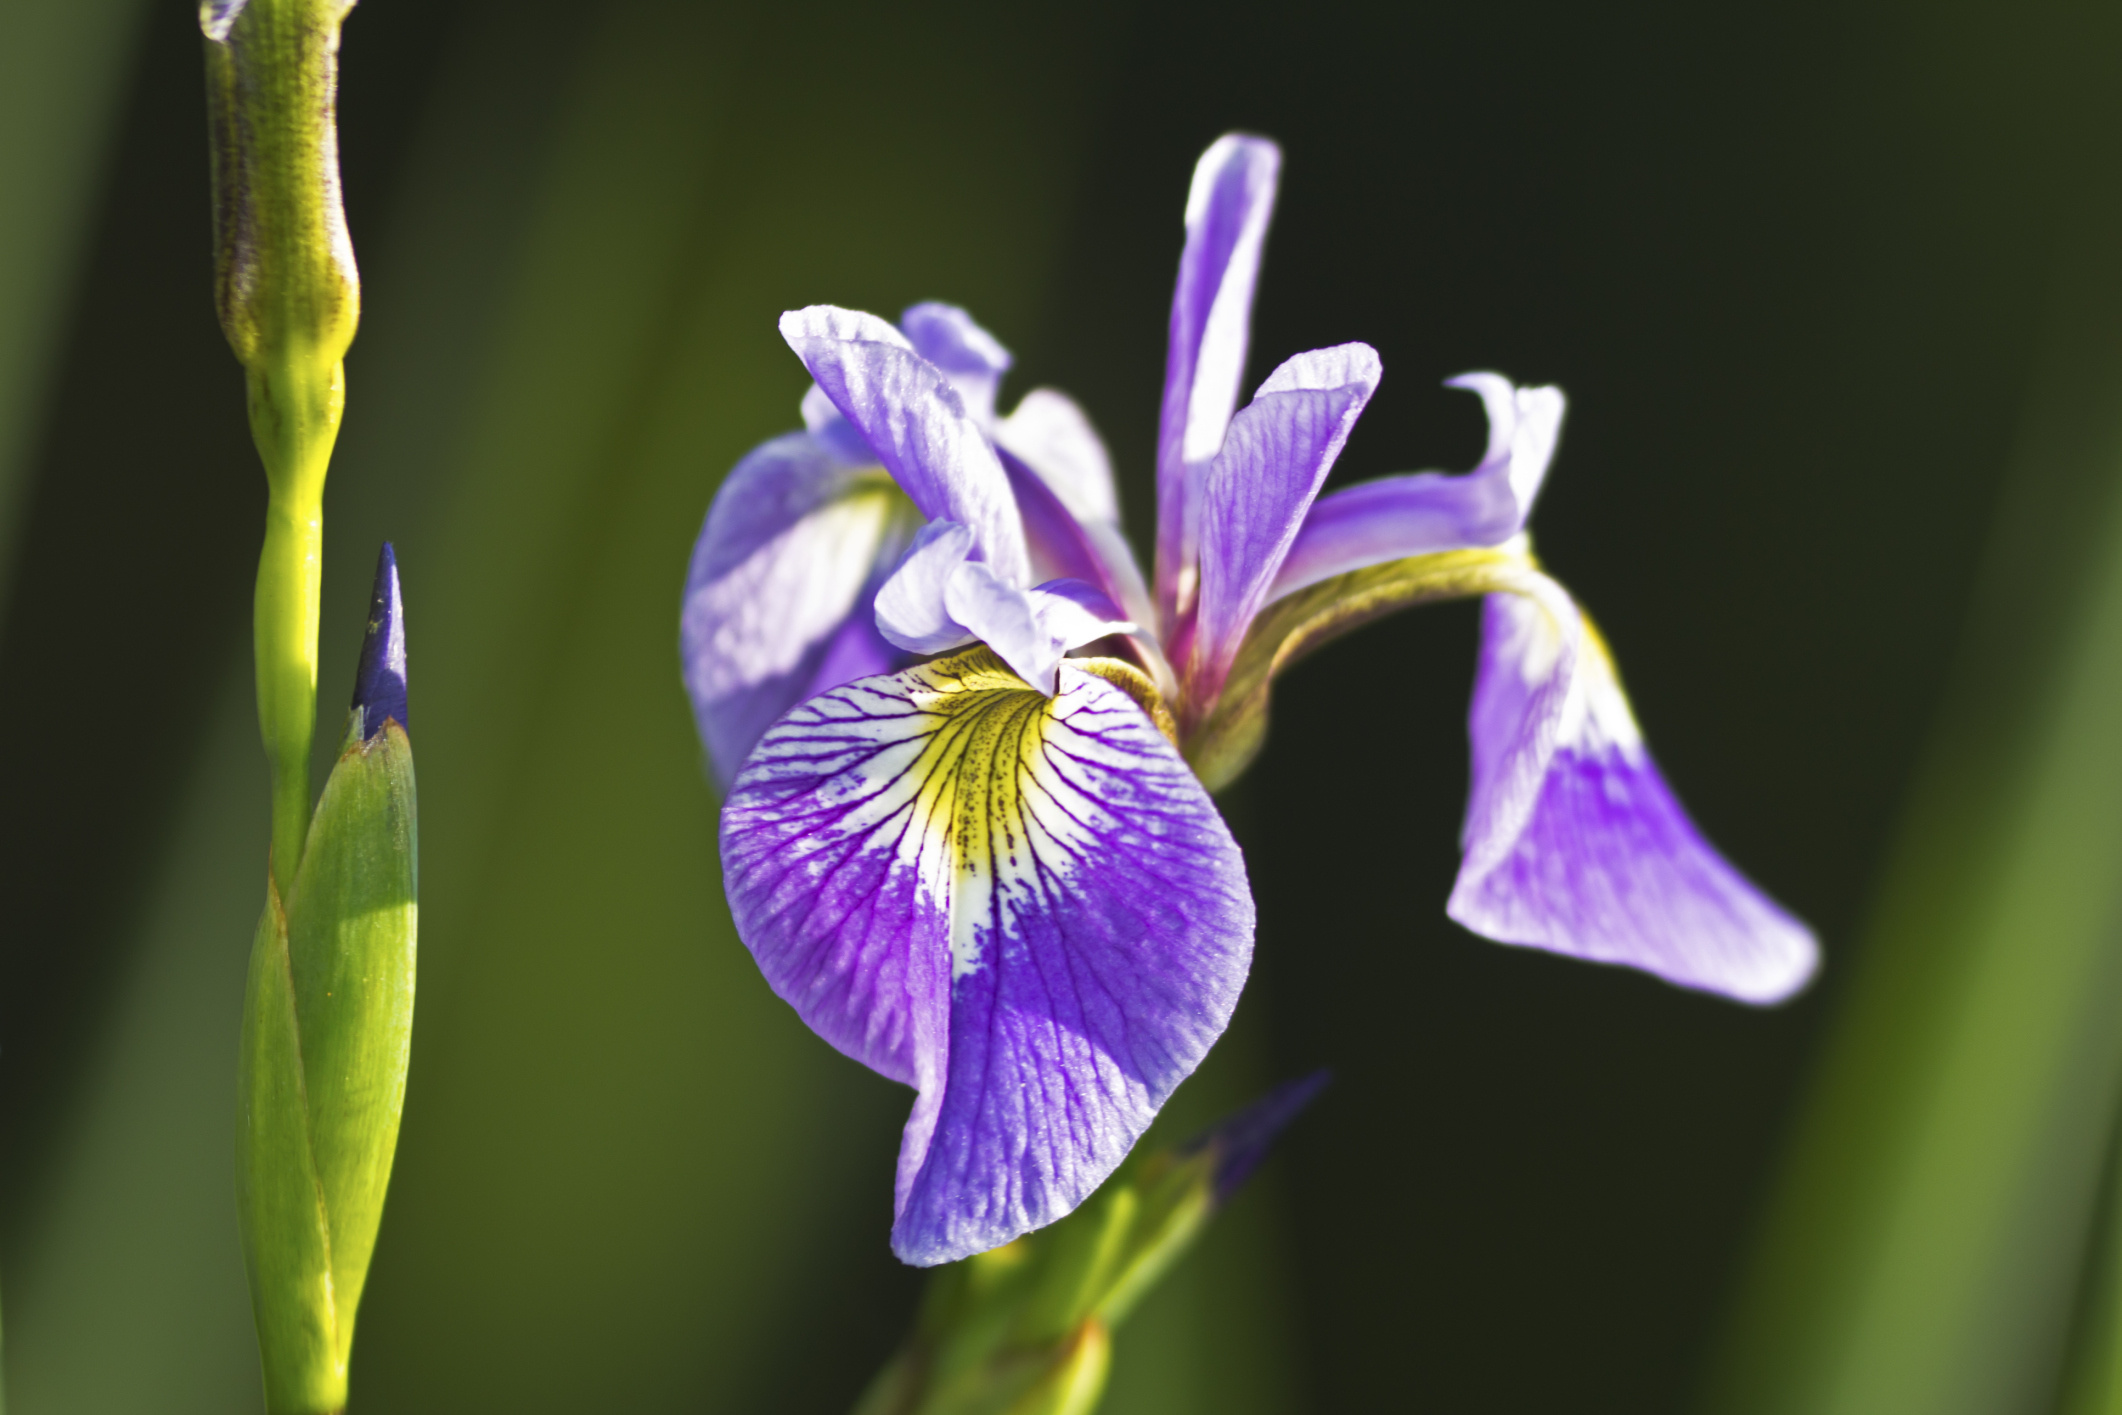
(1395, 517)
(1276, 455)
(917, 423)
(973, 359)
(1227, 211)
(777, 600)
(1575, 844)
(1025, 907)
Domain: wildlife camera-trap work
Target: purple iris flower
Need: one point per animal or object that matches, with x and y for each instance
(967, 749)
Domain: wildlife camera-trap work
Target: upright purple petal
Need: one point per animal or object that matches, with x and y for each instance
(916, 421)
(1573, 841)
(1025, 907)
(1392, 518)
(1276, 455)
(1227, 211)
(973, 359)
(777, 601)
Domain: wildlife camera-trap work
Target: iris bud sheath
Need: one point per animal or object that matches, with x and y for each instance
(327, 1031)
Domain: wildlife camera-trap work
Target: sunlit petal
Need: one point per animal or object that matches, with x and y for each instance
(973, 359)
(1054, 437)
(777, 597)
(1064, 547)
(911, 608)
(1257, 490)
(1025, 907)
(1227, 212)
(910, 413)
(1573, 841)
(1373, 522)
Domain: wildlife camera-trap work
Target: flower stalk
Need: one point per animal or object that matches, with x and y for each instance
(1027, 1328)
(327, 1015)
(289, 299)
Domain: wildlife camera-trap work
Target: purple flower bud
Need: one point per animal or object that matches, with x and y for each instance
(1242, 1140)
(379, 683)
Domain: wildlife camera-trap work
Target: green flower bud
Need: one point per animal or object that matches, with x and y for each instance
(284, 278)
(289, 298)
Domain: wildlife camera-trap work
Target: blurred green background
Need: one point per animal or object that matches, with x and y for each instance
(1808, 274)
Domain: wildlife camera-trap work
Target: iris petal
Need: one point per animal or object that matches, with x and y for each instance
(1373, 522)
(1054, 437)
(1063, 547)
(1257, 490)
(1025, 907)
(908, 410)
(1072, 514)
(973, 359)
(1227, 212)
(911, 608)
(1575, 844)
(777, 598)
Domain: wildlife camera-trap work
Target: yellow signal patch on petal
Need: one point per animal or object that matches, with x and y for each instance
(993, 804)
(1025, 907)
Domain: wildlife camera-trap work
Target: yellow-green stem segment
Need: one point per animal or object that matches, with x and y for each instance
(289, 300)
(295, 420)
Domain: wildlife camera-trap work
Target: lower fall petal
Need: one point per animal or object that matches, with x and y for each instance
(1026, 907)
(1574, 842)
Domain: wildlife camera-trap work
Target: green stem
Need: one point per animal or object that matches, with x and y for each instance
(295, 420)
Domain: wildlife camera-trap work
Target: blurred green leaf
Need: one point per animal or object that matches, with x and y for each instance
(286, 1226)
(1927, 1241)
(61, 67)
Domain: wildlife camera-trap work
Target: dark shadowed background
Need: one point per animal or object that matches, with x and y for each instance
(1792, 265)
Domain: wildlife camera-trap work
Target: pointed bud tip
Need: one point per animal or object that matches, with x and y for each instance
(1242, 1140)
(379, 683)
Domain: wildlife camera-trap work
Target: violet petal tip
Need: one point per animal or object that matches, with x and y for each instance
(1244, 1139)
(379, 683)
